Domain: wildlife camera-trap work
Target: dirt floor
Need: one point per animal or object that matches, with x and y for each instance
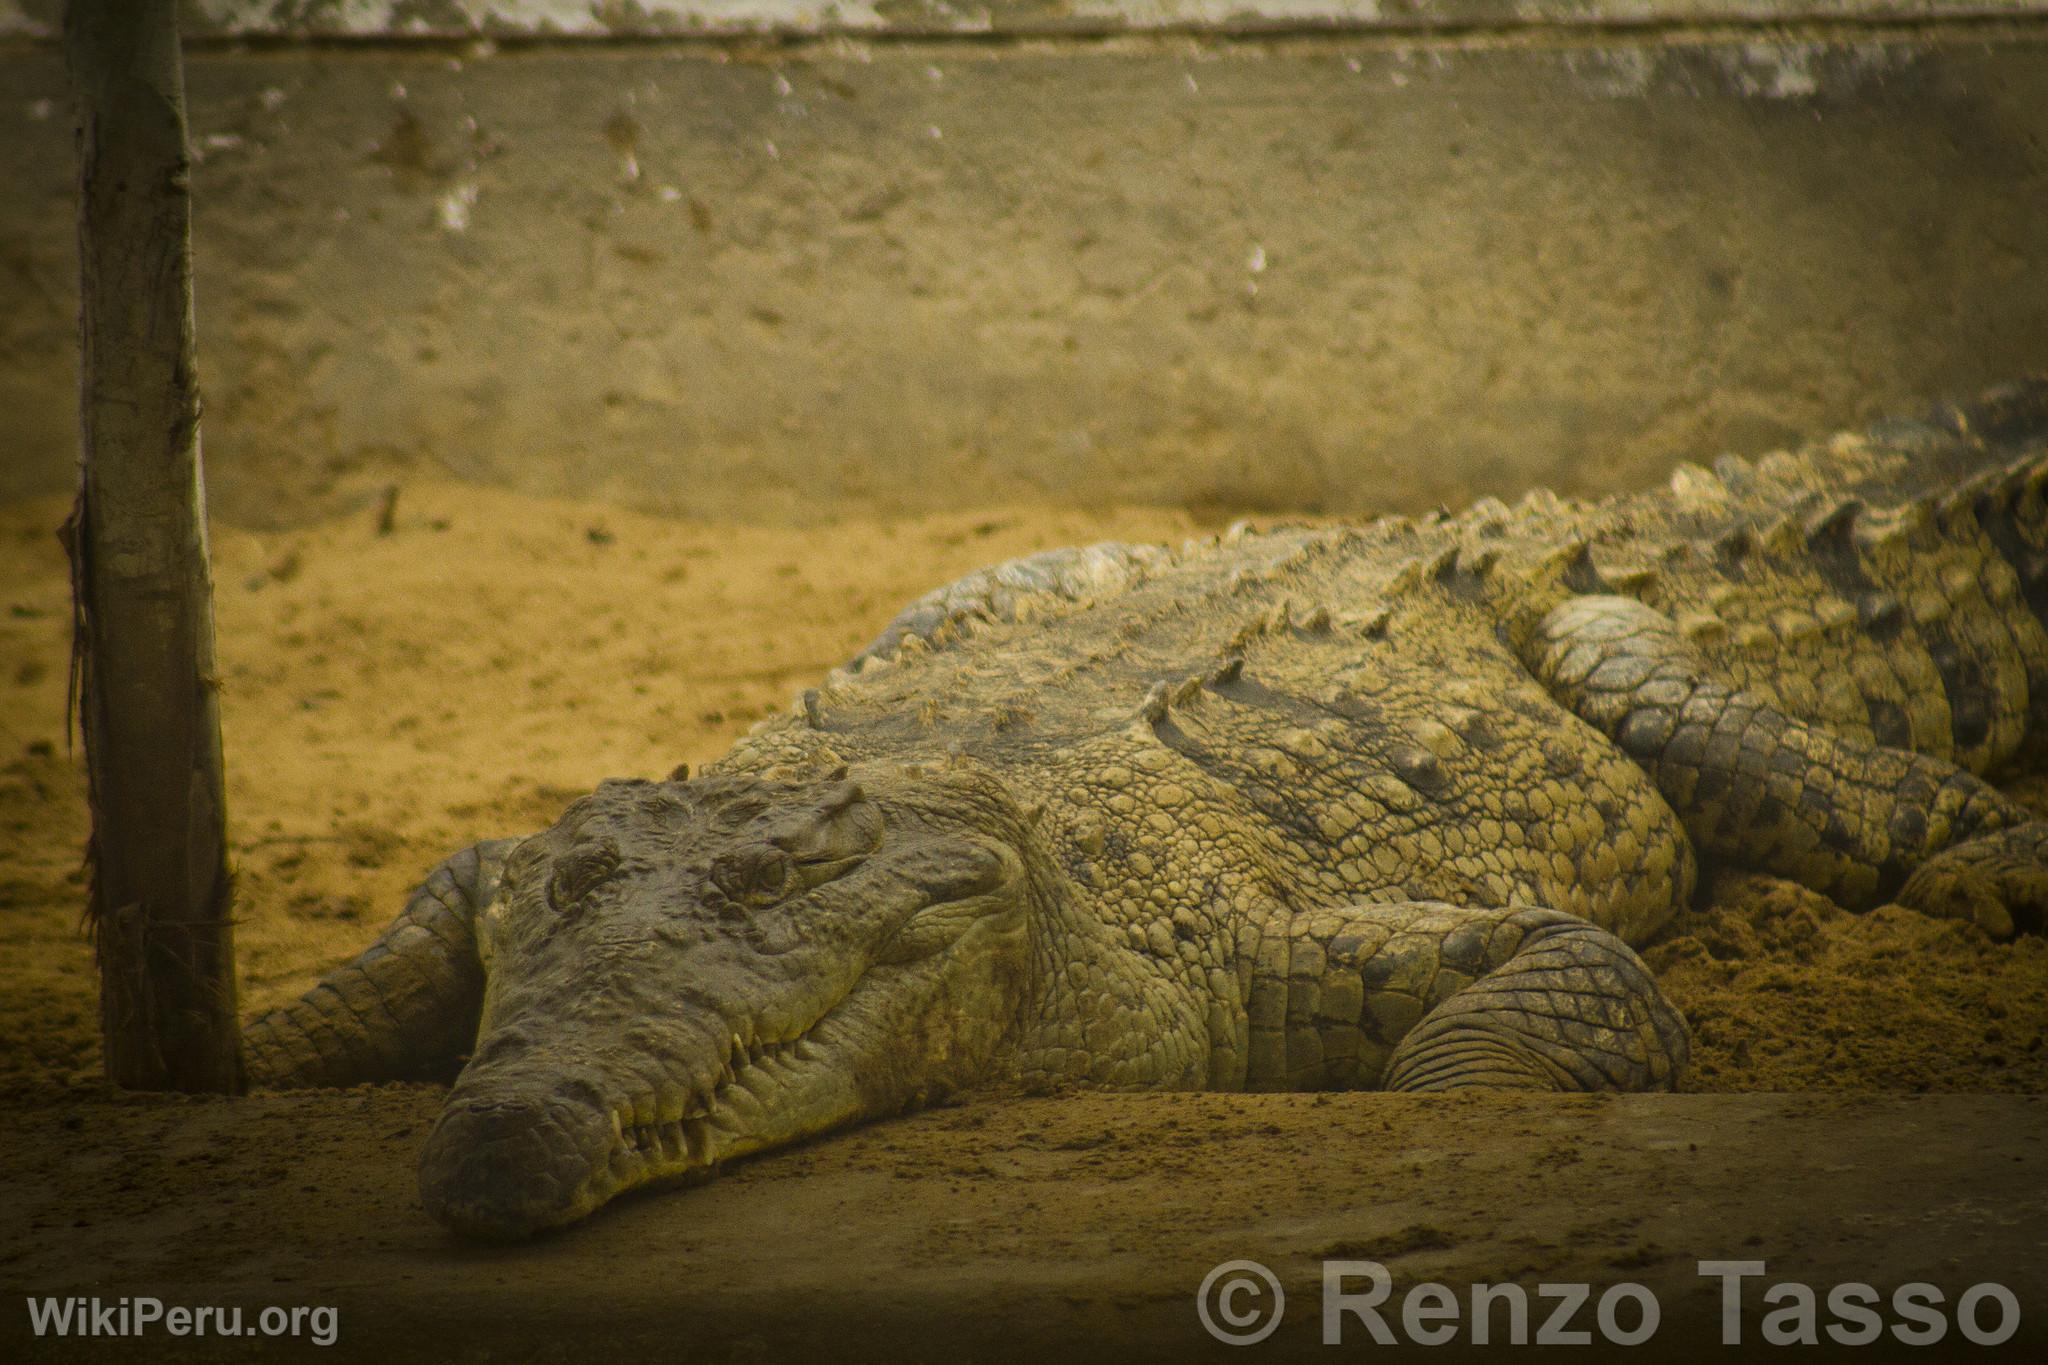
(392, 696)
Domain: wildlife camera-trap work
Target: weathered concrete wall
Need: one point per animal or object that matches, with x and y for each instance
(610, 18)
(1335, 272)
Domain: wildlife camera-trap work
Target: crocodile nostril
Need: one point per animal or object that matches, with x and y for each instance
(501, 1110)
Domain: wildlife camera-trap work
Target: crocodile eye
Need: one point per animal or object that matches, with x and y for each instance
(760, 876)
(579, 872)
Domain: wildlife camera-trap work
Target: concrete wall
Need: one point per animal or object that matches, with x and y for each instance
(407, 19)
(1343, 271)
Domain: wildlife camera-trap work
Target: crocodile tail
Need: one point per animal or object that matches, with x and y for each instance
(1956, 441)
(1890, 462)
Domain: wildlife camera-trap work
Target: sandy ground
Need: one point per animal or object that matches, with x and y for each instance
(389, 698)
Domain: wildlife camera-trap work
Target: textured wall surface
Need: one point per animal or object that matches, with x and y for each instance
(1342, 272)
(584, 18)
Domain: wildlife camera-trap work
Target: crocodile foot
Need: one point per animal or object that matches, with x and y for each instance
(1998, 881)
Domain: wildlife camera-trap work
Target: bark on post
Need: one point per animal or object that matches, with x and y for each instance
(143, 663)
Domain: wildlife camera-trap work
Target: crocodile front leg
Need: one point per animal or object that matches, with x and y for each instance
(1763, 789)
(406, 1008)
(1426, 996)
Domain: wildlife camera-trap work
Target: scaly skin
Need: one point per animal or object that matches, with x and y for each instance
(1304, 808)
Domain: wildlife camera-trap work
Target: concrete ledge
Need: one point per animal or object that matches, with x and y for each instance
(1074, 1229)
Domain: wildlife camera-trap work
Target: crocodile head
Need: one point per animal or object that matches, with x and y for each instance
(683, 972)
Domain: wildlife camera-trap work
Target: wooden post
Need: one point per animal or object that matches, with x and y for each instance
(142, 660)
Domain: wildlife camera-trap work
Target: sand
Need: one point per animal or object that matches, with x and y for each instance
(390, 697)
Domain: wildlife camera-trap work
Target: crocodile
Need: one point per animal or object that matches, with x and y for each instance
(1383, 805)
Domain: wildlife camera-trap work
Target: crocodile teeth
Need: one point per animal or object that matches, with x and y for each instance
(744, 1104)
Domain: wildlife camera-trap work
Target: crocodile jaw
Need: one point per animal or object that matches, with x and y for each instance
(498, 1166)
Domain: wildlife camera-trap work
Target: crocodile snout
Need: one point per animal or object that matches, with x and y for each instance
(508, 1166)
